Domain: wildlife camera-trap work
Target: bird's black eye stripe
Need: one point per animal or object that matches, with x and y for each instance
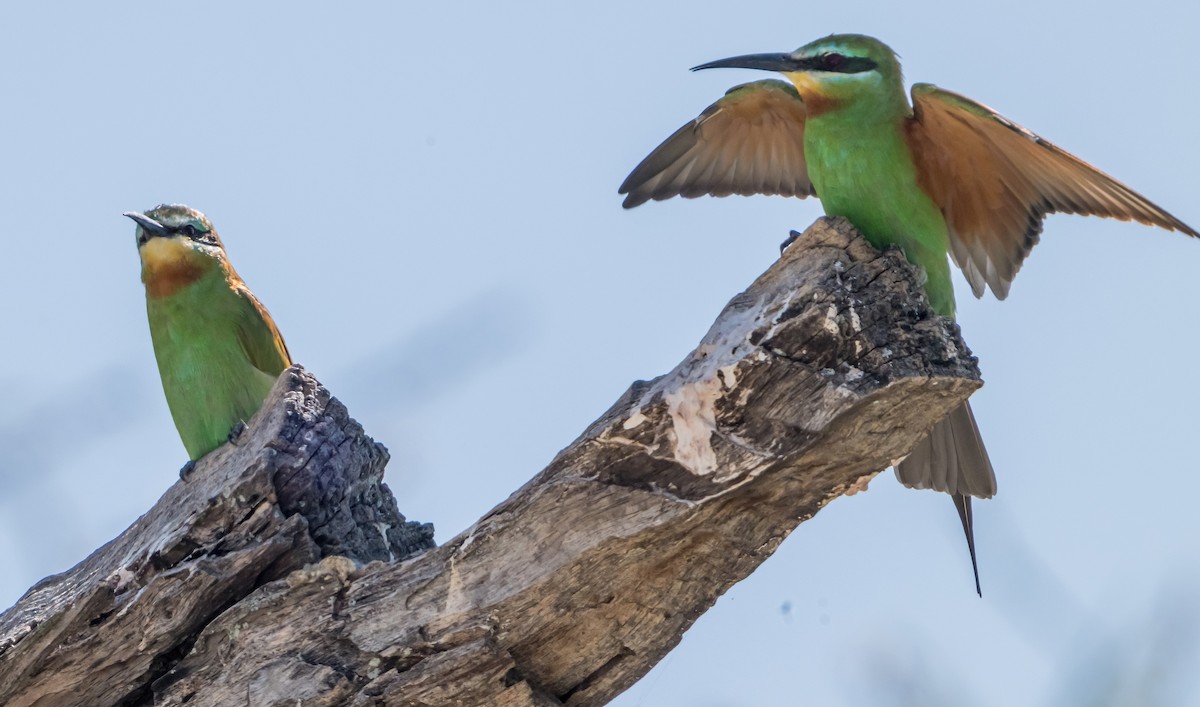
(191, 231)
(841, 64)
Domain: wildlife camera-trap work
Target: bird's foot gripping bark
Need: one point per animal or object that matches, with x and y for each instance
(792, 236)
(236, 432)
(186, 470)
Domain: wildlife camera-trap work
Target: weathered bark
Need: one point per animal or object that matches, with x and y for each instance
(827, 368)
(303, 482)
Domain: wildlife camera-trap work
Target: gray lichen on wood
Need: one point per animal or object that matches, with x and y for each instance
(811, 381)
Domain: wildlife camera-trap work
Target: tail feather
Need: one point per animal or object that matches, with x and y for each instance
(952, 459)
(963, 505)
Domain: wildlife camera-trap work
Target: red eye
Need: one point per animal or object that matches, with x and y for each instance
(832, 61)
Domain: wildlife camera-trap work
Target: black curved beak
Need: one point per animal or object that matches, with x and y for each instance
(766, 62)
(149, 225)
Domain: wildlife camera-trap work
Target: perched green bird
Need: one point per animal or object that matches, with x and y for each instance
(218, 350)
(942, 175)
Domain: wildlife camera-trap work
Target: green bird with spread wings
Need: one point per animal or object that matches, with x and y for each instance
(943, 178)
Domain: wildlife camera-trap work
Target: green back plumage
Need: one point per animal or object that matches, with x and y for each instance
(216, 356)
(864, 172)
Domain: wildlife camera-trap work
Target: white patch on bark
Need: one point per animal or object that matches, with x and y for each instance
(634, 420)
(728, 375)
(778, 313)
(693, 388)
(860, 485)
(830, 324)
(383, 529)
(694, 419)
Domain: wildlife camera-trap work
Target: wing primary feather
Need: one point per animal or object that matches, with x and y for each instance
(995, 182)
(749, 142)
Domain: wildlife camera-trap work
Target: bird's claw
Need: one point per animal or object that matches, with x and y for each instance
(186, 470)
(236, 432)
(792, 236)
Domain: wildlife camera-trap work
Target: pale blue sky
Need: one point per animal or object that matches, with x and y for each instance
(425, 199)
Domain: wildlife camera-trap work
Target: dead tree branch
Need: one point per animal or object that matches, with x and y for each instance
(811, 381)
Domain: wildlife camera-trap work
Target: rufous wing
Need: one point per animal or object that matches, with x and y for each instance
(259, 336)
(995, 182)
(749, 142)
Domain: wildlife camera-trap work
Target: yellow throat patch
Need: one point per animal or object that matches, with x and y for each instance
(170, 264)
(816, 100)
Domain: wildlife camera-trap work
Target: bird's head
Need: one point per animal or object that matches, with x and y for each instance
(177, 245)
(833, 71)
